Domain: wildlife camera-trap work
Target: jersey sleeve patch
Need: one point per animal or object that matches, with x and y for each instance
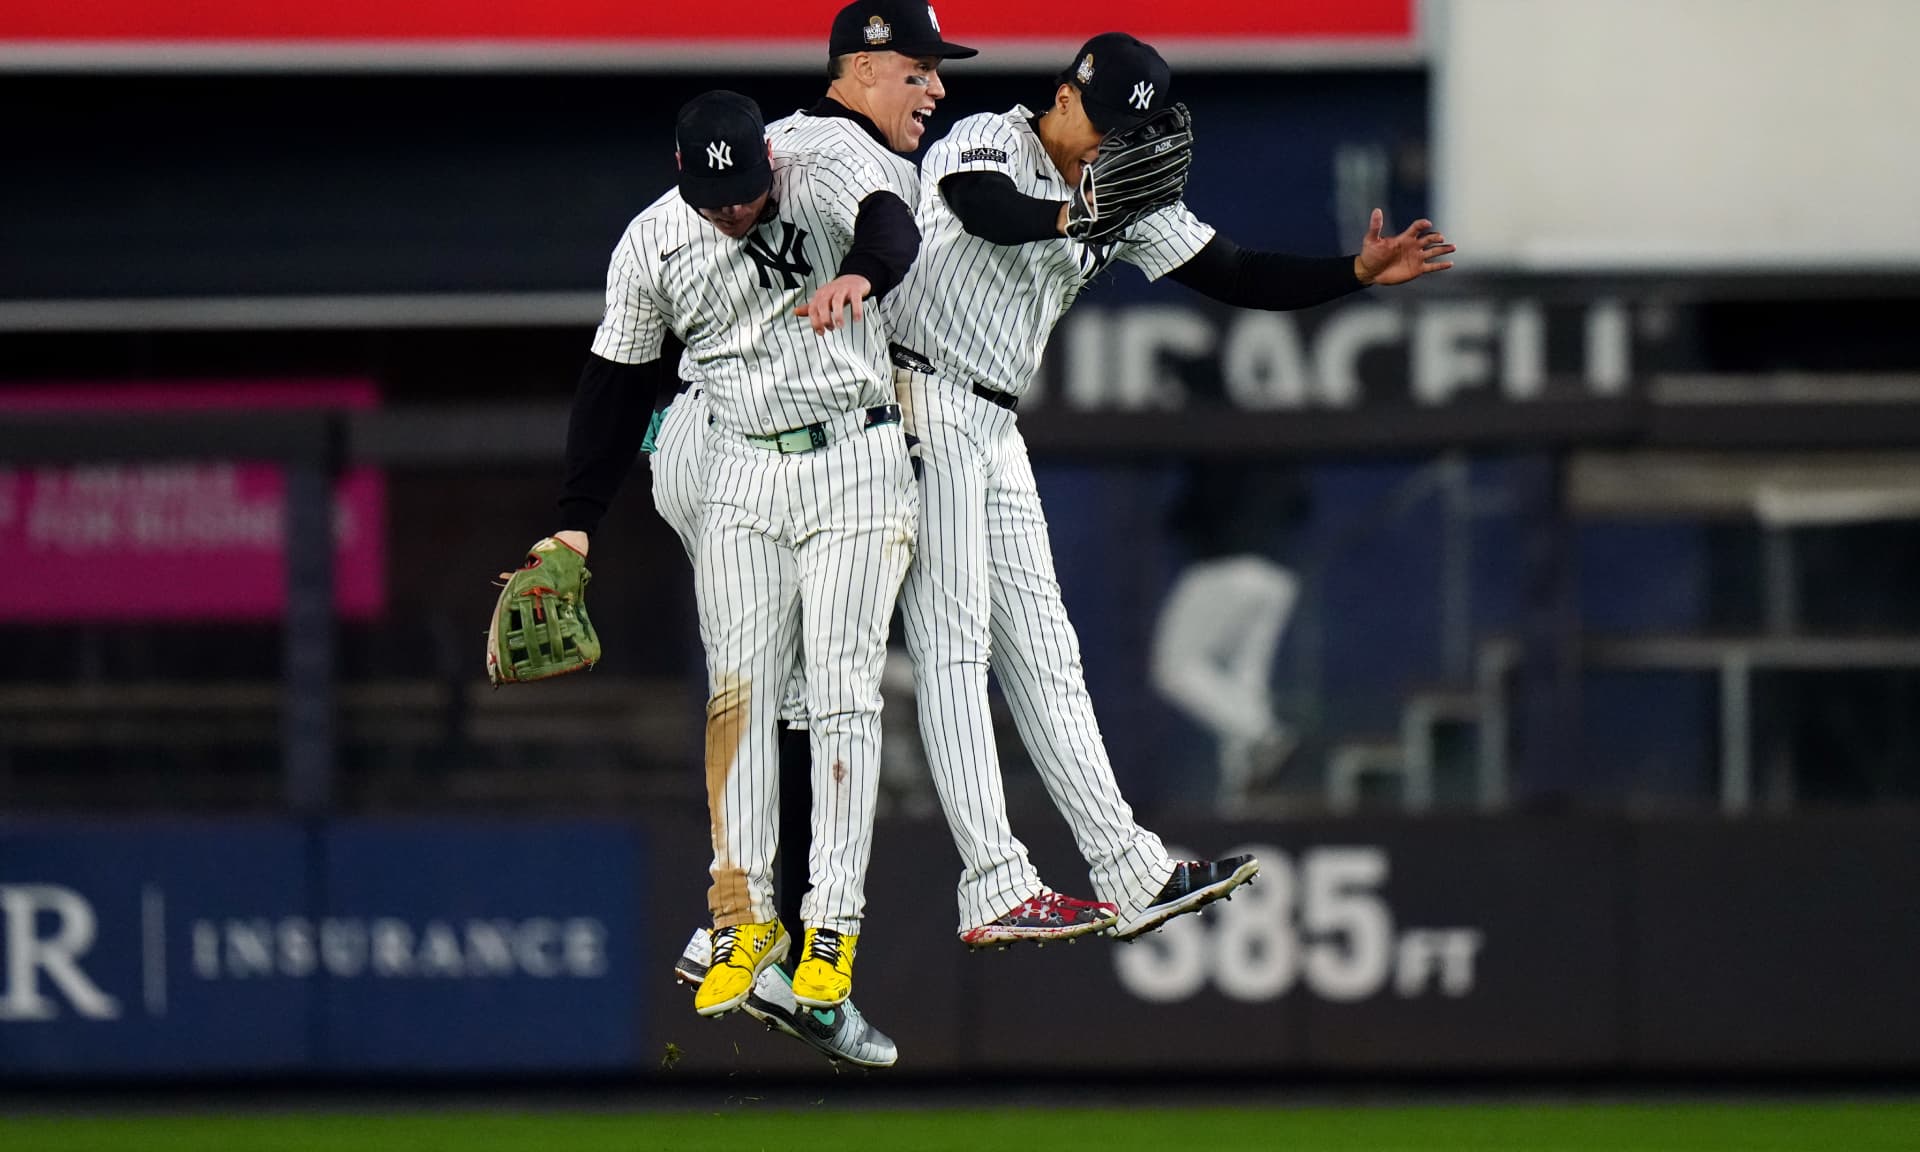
(982, 143)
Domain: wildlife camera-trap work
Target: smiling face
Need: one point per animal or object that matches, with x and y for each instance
(736, 220)
(898, 93)
(905, 91)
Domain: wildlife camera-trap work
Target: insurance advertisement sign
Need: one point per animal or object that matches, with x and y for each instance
(268, 948)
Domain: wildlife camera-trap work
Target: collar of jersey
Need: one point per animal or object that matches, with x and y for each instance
(1021, 115)
(828, 106)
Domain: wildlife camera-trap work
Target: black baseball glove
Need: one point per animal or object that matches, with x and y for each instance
(1139, 170)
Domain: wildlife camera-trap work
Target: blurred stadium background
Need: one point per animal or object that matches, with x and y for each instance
(1590, 617)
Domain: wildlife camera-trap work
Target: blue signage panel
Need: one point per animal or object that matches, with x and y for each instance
(101, 935)
(476, 947)
(265, 947)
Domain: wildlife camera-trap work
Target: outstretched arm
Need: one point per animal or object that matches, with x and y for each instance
(1269, 281)
(1277, 282)
(885, 242)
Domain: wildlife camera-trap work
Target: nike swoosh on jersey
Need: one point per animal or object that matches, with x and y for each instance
(671, 253)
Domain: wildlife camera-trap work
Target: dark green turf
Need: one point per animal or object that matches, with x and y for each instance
(744, 1127)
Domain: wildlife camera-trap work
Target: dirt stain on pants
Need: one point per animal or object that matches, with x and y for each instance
(728, 898)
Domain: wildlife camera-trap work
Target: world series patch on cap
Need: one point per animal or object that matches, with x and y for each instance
(1122, 80)
(908, 27)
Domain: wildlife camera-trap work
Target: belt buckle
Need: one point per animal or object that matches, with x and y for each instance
(795, 441)
(792, 442)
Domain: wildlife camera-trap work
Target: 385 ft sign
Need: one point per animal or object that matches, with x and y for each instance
(1321, 920)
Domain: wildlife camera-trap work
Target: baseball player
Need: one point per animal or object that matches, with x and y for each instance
(1010, 234)
(675, 443)
(1226, 613)
(675, 439)
(809, 507)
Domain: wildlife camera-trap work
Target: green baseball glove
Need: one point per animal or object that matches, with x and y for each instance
(540, 627)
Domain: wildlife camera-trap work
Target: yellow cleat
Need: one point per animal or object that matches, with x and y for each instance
(739, 953)
(825, 975)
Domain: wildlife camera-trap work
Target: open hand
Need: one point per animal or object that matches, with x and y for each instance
(1398, 259)
(837, 301)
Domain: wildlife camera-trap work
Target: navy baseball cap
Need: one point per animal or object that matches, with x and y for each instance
(722, 148)
(1122, 80)
(908, 27)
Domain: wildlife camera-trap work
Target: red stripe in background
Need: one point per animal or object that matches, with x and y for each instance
(280, 21)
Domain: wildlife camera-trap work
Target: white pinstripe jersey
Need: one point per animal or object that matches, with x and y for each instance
(982, 311)
(732, 301)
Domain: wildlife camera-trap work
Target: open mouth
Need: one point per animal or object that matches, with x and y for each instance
(922, 115)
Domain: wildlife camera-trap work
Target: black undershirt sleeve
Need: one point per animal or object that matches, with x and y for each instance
(990, 207)
(612, 406)
(885, 241)
(1270, 281)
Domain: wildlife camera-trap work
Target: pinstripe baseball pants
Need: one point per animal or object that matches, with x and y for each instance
(679, 495)
(982, 588)
(799, 553)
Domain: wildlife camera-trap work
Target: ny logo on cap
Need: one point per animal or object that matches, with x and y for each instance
(1142, 95)
(878, 31)
(719, 154)
(1085, 73)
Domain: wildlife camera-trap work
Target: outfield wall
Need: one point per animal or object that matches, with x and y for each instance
(437, 948)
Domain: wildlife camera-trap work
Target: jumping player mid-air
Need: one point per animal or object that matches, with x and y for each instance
(888, 99)
(1019, 211)
(809, 509)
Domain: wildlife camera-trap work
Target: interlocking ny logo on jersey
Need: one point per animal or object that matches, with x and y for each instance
(719, 154)
(789, 260)
(1142, 95)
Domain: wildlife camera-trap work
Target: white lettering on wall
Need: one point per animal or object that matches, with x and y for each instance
(1323, 922)
(389, 948)
(29, 955)
(1449, 349)
(1128, 359)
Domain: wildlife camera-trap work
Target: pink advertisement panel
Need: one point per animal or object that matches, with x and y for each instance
(176, 541)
